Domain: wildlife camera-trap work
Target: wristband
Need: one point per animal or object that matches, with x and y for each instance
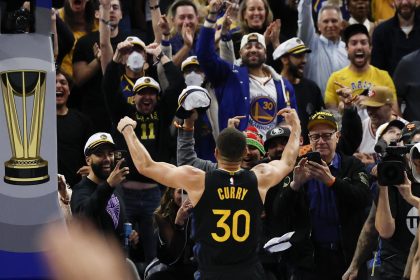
(129, 124)
(210, 20)
(154, 7)
(165, 43)
(227, 37)
(105, 21)
(330, 183)
(159, 56)
(177, 125)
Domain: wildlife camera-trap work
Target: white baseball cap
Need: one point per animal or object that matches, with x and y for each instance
(191, 60)
(136, 41)
(145, 82)
(253, 37)
(291, 46)
(97, 140)
(192, 97)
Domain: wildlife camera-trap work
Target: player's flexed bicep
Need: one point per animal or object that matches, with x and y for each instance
(270, 174)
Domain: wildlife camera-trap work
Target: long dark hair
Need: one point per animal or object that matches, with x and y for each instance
(167, 208)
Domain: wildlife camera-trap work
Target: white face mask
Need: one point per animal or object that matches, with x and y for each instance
(135, 61)
(194, 79)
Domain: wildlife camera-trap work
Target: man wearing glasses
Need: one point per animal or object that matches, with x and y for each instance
(336, 193)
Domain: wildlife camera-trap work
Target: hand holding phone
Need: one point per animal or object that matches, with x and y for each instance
(314, 156)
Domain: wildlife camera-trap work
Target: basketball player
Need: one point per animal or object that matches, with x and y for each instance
(227, 201)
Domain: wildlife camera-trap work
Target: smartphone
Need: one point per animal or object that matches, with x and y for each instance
(121, 154)
(314, 156)
(184, 195)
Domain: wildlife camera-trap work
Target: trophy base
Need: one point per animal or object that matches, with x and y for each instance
(26, 171)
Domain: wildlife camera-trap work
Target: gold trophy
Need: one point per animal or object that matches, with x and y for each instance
(26, 167)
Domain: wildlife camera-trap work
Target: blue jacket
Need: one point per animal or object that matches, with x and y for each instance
(231, 82)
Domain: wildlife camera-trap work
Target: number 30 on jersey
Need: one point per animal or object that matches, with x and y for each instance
(231, 230)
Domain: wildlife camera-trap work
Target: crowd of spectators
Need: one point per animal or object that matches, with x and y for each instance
(184, 70)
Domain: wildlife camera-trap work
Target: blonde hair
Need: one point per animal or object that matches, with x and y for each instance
(242, 9)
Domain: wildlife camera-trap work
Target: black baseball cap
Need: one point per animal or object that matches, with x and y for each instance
(354, 29)
(274, 133)
(322, 117)
(409, 130)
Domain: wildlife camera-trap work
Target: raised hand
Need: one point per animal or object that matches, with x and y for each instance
(300, 174)
(163, 24)
(121, 53)
(154, 49)
(187, 35)
(183, 211)
(124, 122)
(320, 172)
(290, 116)
(118, 174)
(234, 122)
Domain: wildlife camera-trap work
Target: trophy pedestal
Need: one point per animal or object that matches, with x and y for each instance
(26, 171)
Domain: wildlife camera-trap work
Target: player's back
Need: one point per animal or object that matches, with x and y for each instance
(227, 220)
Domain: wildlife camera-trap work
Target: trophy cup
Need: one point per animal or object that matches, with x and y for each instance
(25, 167)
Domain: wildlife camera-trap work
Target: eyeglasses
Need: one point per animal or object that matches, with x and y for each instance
(324, 136)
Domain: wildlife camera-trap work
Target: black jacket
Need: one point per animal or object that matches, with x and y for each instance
(390, 43)
(161, 148)
(352, 197)
(92, 201)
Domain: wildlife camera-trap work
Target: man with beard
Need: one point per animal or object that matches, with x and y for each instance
(359, 76)
(249, 90)
(397, 36)
(292, 54)
(97, 196)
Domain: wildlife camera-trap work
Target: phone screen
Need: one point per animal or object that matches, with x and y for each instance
(314, 156)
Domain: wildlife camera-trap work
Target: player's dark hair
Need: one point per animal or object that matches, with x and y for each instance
(231, 144)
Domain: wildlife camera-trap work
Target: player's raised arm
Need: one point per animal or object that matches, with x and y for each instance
(270, 174)
(186, 177)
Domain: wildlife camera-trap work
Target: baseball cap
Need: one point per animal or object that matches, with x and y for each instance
(413, 168)
(354, 29)
(253, 139)
(136, 41)
(191, 60)
(274, 133)
(322, 117)
(97, 140)
(383, 128)
(253, 37)
(145, 82)
(409, 130)
(192, 97)
(291, 46)
(378, 96)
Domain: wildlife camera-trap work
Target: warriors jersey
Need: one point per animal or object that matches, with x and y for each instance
(227, 220)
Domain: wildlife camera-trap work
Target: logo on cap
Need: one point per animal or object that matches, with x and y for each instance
(299, 41)
(252, 37)
(103, 137)
(411, 126)
(147, 80)
(277, 131)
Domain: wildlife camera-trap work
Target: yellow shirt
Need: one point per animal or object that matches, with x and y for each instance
(382, 9)
(357, 82)
(67, 63)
